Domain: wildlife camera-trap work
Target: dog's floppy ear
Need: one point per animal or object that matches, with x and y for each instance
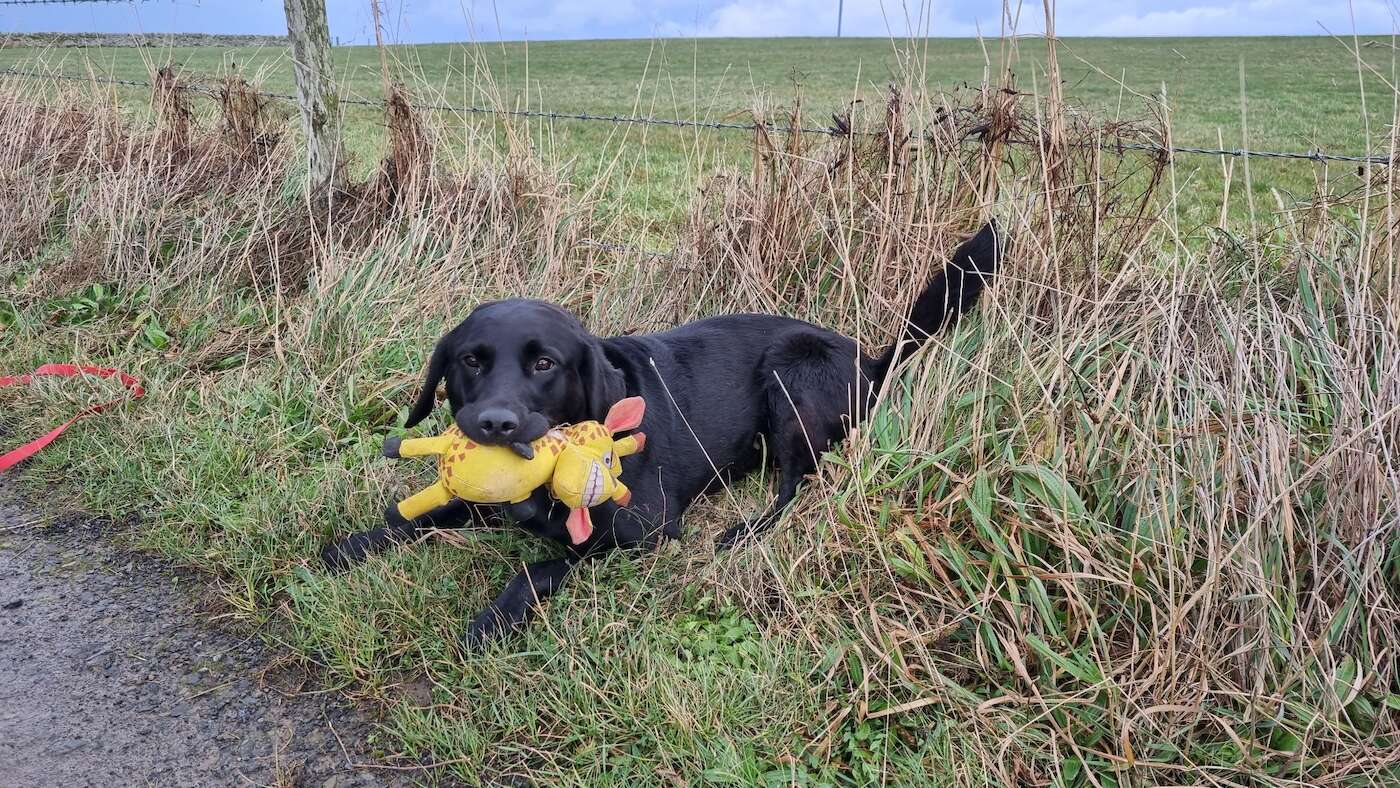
(427, 398)
(603, 384)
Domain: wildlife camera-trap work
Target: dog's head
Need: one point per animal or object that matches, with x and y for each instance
(515, 368)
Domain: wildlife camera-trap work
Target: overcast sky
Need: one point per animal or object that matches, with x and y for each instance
(416, 21)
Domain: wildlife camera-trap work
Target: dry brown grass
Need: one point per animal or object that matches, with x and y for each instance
(1139, 523)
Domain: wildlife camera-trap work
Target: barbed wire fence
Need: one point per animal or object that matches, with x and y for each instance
(1315, 156)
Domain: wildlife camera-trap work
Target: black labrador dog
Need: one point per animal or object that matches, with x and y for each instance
(722, 394)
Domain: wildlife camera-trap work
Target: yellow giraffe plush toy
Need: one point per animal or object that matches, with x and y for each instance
(581, 464)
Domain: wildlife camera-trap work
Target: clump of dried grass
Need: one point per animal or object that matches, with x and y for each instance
(410, 148)
(193, 202)
(840, 229)
(172, 103)
(50, 145)
(249, 124)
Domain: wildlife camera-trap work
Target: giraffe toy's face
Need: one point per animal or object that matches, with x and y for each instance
(588, 468)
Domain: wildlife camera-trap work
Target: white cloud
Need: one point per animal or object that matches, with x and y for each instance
(757, 18)
(1230, 17)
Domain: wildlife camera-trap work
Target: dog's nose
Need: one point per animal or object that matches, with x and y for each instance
(497, 422)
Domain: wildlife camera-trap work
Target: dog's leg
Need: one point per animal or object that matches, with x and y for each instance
(795, 459)
(639, 526)
(789, 481)
(517, 603)
(345, 553)
(803, 425)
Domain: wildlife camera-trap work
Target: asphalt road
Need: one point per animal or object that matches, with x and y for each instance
(112, 674)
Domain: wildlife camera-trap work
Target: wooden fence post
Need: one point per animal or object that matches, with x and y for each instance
(320, 105)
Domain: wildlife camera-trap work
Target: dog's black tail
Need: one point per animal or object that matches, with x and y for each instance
(949, 293)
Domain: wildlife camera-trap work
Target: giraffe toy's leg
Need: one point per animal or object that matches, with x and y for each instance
(423, 447)
(424, 501)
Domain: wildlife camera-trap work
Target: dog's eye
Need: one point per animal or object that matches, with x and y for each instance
(472, 362)
(544, 364)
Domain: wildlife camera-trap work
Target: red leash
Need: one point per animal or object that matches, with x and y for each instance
(13, 458)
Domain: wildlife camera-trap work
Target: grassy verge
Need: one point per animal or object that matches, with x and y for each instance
(1135, 524)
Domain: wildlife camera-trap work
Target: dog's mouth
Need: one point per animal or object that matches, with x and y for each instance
(532, 427)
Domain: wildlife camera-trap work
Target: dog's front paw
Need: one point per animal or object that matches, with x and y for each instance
(488, 625)
(392, 444)
(745, 531)
(733, 536)
(342, 554)
(345, 553)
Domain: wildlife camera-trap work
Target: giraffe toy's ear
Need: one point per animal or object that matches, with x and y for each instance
(625, 415)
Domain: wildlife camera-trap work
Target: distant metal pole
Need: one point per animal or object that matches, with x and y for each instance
(840, 12)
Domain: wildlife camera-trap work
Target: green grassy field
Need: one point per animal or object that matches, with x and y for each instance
(1135, 523)
(1300, 93)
